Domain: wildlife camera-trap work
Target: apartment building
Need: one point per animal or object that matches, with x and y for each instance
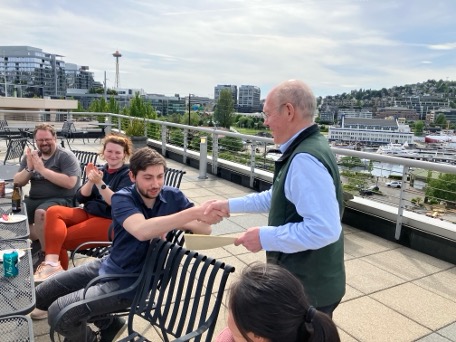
(26, 71)
(234, 92)
(249, 99)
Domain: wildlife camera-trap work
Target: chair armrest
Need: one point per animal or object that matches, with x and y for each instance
(106, 277)
(78, 248)
(85, 301)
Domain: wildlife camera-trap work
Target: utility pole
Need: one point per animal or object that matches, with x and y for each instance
(189, 107)
(104, 83)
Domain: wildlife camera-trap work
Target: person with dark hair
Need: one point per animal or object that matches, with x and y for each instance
(305, 203)
(140, 212)
(268, 304)
(66, 228)
(54, 174)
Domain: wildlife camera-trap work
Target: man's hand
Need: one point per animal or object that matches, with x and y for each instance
(28, 156)
(37, 162)
(210, 216)
(250, 240)
(220, 206)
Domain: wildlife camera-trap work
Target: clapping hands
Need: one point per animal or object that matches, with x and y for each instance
(93, 174)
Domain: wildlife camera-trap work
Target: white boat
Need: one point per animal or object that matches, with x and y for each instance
(439, 138)
(393, 148)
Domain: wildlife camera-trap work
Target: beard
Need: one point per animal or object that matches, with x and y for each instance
(145, 193)
(45, 150)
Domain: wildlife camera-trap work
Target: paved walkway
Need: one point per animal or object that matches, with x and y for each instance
(393, 293)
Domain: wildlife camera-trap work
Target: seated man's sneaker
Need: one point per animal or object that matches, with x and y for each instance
(46, 270)
(113, 331)
(38, 314)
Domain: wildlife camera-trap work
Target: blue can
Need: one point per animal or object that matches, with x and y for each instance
(11, 264)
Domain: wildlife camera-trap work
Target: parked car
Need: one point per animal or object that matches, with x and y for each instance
(369, 191)
(394, 184)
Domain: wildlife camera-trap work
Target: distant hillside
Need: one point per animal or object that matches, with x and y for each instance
(430, 90)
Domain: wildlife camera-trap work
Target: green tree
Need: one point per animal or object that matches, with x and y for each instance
(231, 144)
(141, 109)
(224, 111)
(177, 137)
(113, 106)
(99, 106)
(440, 120)
(419, 127)
(442, 188)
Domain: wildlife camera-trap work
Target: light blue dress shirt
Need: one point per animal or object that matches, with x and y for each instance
(310, 187)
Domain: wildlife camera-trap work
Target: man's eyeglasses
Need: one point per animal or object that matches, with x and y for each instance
(40, 141)
(268, 116)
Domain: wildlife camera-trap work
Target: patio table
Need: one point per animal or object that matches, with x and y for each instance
(17, 294)
(16, 328)
(13, 230)
(103, 126)
(7, 172)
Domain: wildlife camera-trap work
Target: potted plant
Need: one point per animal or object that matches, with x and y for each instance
(136, 131)
(139, 110)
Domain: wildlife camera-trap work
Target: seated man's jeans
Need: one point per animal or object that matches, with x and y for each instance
(66, 288)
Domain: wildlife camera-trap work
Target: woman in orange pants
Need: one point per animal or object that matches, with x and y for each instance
(66, 228)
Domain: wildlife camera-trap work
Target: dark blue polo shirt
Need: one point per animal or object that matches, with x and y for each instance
(127, 253)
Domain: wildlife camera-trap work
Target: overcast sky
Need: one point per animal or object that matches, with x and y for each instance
(189, 46)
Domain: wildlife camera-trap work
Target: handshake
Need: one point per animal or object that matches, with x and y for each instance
(213, 211)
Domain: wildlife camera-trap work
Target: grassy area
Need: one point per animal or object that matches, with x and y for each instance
(250, 131)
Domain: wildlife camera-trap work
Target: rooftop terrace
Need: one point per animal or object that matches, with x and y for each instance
(393, 293)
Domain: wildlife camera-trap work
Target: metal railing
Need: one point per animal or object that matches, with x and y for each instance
(364, 174)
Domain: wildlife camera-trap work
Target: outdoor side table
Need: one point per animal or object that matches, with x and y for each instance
(16, 328)
(17, 294)
(7, 172)
(13, 230)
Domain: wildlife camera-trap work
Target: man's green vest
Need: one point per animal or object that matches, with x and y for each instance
(321, 271)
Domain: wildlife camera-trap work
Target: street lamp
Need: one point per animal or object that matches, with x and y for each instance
(189, 107)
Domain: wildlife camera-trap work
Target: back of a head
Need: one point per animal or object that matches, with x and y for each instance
(270, 302)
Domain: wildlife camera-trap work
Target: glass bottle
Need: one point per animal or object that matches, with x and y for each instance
(16, 199)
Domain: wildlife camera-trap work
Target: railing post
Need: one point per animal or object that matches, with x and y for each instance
(184, 159)
(163, 139)
(214, 153)
(401, 206)
(108, 120)
(252, 163)
(203, 159)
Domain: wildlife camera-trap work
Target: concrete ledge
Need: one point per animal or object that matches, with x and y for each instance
(426, 224)
(433, 237)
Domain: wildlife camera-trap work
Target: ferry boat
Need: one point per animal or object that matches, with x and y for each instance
(439, 138)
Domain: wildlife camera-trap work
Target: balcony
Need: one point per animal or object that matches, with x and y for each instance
(400, 263)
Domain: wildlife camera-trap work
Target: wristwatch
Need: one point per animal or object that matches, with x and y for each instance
(103, 186)
(27, 169)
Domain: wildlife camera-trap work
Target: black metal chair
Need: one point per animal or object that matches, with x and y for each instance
(15, 150)
(179, 292)
(69, 132)
(84, 158)
(99, 249)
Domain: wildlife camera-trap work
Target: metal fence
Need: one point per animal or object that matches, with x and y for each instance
(422, 187)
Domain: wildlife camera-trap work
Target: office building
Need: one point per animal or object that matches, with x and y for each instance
(249, 99)
(26, 71)
(232, 88)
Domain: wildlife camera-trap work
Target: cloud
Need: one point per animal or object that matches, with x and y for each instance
(179, 46)
(445, 46)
